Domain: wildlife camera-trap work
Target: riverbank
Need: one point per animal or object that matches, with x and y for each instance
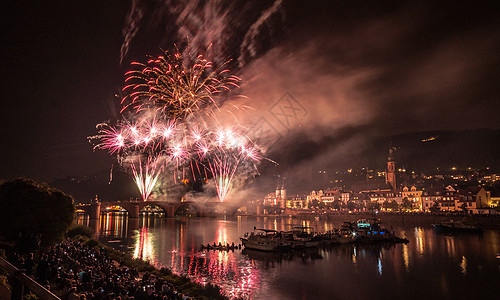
(84, 268)
(181, 287)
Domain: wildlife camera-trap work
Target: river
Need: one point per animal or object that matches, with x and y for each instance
(432, 265)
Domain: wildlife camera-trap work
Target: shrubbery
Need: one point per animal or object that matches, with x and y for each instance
(79, 230)
(33, 214)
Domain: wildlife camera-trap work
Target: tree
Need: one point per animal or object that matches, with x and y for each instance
(390, 205)
(463, 207)
(314, 204)
(352, 205)
(373, 206)
(435, 208)
(394, 205)
(337, 204)
(406, 204)
(33, 214)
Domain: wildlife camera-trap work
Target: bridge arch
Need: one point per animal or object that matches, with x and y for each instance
(188, 210)
(242, 210)
(114, 208)
(82, 216)
(113, 220)
(273, 210)
(81, 211)
(153, 209)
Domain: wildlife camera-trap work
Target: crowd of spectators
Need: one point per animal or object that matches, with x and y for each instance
(87, 273)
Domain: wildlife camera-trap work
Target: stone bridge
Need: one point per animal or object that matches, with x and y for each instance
(134, 208)
(170, 209)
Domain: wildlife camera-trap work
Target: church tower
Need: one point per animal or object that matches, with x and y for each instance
(281, 193)
(390, 173)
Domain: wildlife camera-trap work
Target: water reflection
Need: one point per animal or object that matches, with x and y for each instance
(379, 266)
(144, 246)
(406, 257)
(151, 219)
(463, 265)
(175, 243)
(419, 239)
(272, 259)
(236, 276)
(114, 224)
(450, 245)
(81, 218)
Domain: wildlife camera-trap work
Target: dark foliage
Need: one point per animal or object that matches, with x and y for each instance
(33, 214)
(79, 230)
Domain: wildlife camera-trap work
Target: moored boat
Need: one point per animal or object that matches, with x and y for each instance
(346, 233)
(220, 247)
(265, 240)
(370, 230)
(458, 226)
(302, 237)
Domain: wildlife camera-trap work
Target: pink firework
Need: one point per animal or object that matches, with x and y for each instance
(111, 138)
(227, 152)
(145, 175)
(164, 128)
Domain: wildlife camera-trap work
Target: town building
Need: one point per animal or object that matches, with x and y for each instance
(414, 195)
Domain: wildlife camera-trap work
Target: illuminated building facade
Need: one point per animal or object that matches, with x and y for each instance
(414, 195)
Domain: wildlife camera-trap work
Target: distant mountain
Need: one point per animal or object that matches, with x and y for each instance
(85, 188)
(425, 151)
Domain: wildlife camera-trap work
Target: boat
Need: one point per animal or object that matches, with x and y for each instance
(346, 233)
(328, 238)
(457, 226)
(220, 247)
(300, 238)
(370, 230)
(371, 224)
(265, 240)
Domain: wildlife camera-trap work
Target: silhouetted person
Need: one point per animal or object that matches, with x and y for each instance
(43, 267)
(28, 264)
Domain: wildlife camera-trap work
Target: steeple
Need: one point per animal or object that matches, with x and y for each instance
(390, 157)
(390, 173)
(281, 192)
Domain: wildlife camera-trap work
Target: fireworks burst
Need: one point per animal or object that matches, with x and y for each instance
(145, 175)
(174, 86)
(162, 130)
(224, 151)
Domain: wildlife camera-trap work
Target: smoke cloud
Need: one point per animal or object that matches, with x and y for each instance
(321, 80)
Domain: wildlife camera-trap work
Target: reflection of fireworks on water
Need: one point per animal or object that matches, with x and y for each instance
(164, 128)
(144, 248)
(237, 277)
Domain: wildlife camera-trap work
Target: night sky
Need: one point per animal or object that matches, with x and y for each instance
(352, 68)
